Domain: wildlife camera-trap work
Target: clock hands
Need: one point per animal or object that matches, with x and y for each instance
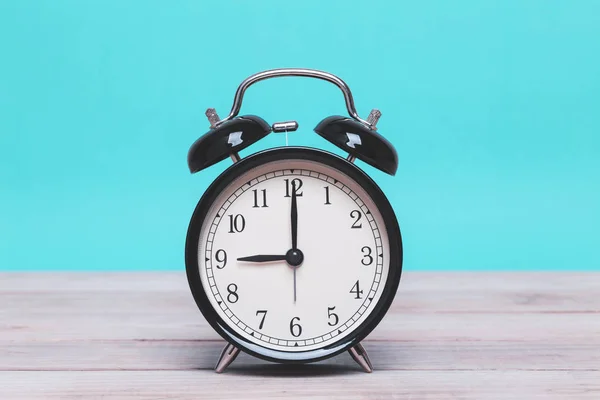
(294, 256)
(294, 285)
(263, 258)
(294, 217)
(294, 220)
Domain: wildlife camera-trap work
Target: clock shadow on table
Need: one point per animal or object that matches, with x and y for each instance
(248, 365)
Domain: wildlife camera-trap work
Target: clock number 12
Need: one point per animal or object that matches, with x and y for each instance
(296, 183)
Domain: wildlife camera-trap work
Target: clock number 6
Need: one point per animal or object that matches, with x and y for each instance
(334, 315)
(232, 297)
(295, 329)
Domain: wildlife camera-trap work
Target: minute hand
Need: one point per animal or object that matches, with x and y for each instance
(294, 218)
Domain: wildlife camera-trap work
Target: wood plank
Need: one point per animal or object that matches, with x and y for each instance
(170, 280)
(194, 355)
(458, 335)
(466, 292)
(80, 306)
(314, 382)
(127, 318)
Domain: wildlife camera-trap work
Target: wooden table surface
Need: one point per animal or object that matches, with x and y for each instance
(448, 335)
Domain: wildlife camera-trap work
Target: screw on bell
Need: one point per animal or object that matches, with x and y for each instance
(212, 116)
(373, 118)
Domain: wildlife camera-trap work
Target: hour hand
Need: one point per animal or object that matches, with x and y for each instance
(263, 258)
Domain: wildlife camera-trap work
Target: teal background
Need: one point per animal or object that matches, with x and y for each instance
(493, 106)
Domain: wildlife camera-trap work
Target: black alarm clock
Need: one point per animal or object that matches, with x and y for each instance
(293, 254)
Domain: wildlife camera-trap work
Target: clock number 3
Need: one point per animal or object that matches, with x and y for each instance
(367, 257)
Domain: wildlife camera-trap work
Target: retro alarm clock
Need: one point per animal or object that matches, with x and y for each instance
(293, 254)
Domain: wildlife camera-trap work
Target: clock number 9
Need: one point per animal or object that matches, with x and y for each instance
(367, 257)
(295, 329)
(334, 315)
(221, 256)
(357, 216)
(232, 297)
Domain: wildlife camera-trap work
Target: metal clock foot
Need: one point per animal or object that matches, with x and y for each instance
(230, 352)
(359, 354)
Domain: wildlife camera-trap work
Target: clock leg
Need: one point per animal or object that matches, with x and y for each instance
(230, 352)
(359, 354)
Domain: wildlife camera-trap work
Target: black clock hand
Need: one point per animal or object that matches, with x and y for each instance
(263, 258)
(294, 217)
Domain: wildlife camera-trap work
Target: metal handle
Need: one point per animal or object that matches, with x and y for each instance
(311, 73)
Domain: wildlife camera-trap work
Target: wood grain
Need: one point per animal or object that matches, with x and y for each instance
(314, 383)
(197, 354)
(448, 335)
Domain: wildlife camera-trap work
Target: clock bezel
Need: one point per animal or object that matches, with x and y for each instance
(306, 154)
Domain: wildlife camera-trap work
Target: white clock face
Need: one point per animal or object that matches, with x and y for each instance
(340, 233)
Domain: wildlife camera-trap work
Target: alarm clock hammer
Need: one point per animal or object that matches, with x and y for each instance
(348, 258)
